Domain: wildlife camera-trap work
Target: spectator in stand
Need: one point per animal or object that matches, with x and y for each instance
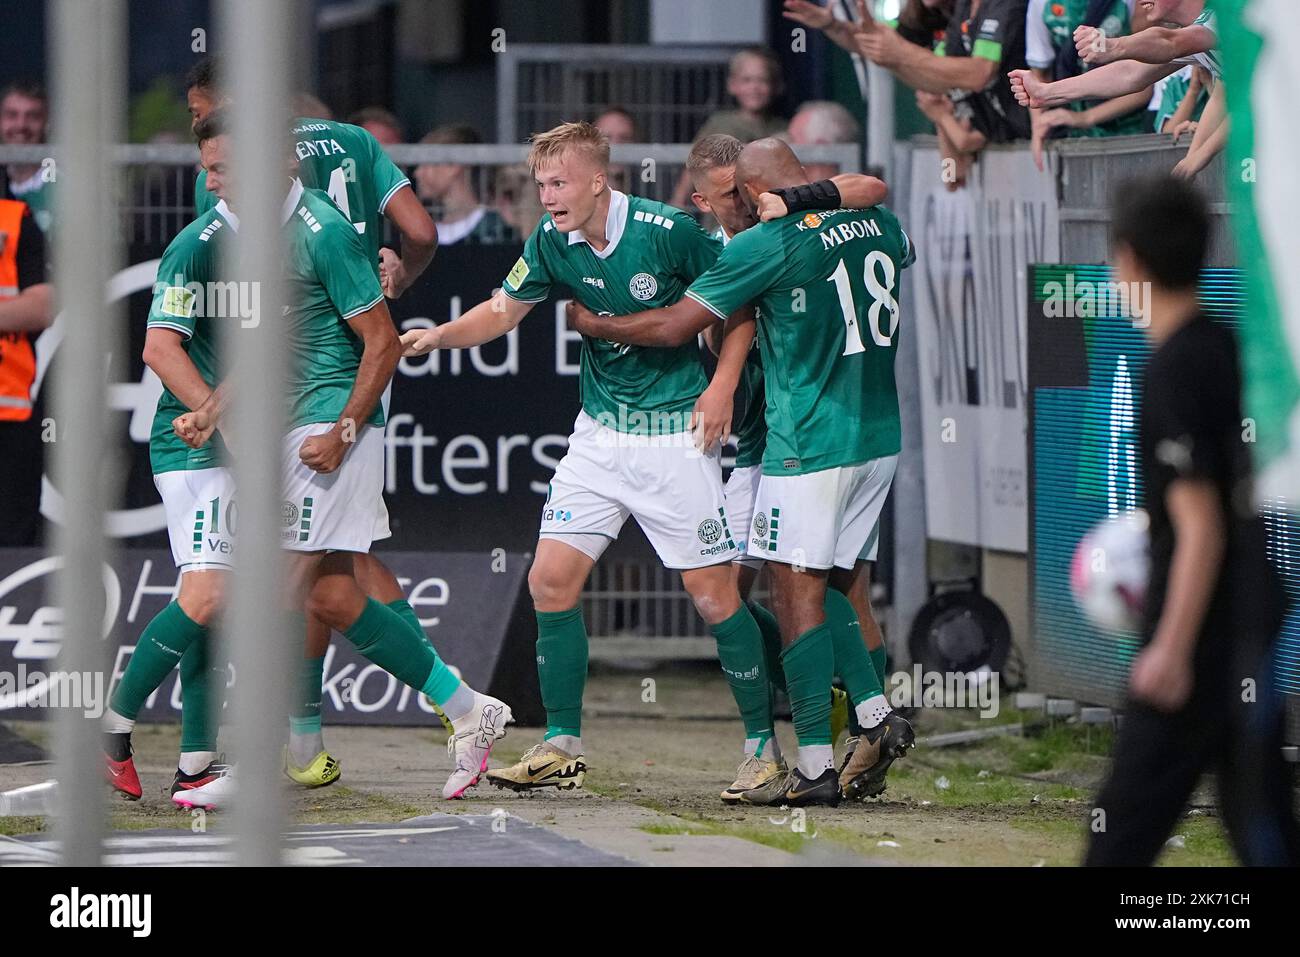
(1179, 100)
(517, 199)
(923, 22)
(619, 127)
(1130, 63)
(754, 81)
(379, 123)
(24, 121)
(617, 124)
(457, 209)
(26, 310)
(1051, 53)
(819, 122)
(311, 106)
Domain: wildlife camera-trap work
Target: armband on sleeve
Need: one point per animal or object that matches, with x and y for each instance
(823, 194)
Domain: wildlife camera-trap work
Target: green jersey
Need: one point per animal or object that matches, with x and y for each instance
(654, 253)
(1056, 28)
(825, 286)
(751, 428)
(330, 280)
(183, 301)
(346, 162)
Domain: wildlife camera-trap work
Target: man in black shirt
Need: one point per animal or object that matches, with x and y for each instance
(1200, 691)
(985, 39)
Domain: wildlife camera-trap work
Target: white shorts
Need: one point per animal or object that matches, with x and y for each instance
(821, 519)
(673, 491)
(200, 506)
(338, 512)
(740, 489)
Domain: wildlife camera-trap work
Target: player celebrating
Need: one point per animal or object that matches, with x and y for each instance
(832, 444)
(632, 451)
(350, 166)
(711, 166)
(333, 466)
(197, 491)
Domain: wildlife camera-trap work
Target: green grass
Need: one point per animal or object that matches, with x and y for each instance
(14, 826)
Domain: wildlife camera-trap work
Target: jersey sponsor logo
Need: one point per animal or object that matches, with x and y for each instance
(790, 464)
(557, 515)
(591, 281)
(812, 220)
(288, 514)
(178, 301)
(643, 286)
(518, 273)
(710, 531)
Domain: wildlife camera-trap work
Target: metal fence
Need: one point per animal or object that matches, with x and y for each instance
(156, 199)
(670, 92)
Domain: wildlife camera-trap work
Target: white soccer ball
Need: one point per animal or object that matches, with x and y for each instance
(1110, 571)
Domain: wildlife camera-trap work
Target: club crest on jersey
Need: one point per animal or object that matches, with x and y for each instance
(643, 286)
(760, 525)
(288, 514)
(710, 531)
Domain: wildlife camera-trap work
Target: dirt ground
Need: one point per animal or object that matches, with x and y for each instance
(1019, 798)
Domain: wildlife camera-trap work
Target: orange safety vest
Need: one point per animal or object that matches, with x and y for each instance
(17, 357)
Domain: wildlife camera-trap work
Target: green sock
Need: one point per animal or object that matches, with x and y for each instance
(771, 633)
(442, 682)
(562, 669)
(202, 690)
(402, 608)
(809, 665)
(879, 658)
(381, 636)
(852, 661)
(740, 650)
(160, 649)
(305, 716)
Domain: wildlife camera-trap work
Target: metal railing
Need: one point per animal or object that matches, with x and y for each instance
(156, 199)
(670, 91)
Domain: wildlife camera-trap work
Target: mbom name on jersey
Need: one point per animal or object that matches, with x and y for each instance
(843, 232)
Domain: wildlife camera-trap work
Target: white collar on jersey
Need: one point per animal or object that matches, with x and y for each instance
(291, 201)
(226, 213)
(290, 204)
(615, 221)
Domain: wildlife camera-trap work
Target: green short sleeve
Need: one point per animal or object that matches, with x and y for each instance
(388, 178)
(748, 267)
(529, 280)
(343, 267)
(693, 251)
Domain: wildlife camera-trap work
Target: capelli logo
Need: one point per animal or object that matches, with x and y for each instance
(77, 910)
